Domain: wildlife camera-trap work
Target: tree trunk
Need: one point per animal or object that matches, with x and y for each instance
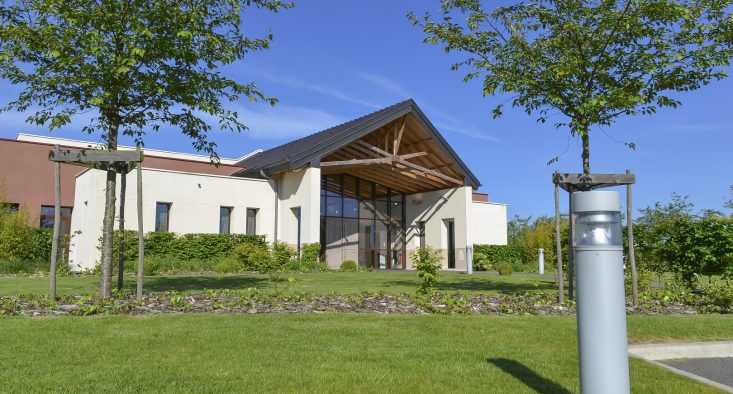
(108, 224)
(586, 151)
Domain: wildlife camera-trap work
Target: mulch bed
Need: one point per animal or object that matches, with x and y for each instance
(262, 302)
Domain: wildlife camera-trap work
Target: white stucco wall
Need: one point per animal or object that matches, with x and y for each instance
(488, 223)
(300, 189)
(195, 201)
(435, 209)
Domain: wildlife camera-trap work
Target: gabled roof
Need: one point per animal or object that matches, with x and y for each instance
(304, 151)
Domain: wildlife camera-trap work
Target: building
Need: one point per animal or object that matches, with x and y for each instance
(369, 190)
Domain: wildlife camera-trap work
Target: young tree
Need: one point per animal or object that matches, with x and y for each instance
(134, 65)
(591, 61)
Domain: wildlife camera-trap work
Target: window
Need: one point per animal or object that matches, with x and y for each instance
(421, 233)
(47, 218)
(10, 207)
(162, 216)
(450, 226)
(252, 221)
(296, 212)
(225, 219)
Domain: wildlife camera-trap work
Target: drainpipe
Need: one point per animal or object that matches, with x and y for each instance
(277, 199)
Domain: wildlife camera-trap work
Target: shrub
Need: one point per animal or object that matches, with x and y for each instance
(349, 266)
(426, 261)
(227, 265)
(309, 260)
(187, 246)
(254, 257)
(16, 237)
(496, 254)
(643, 281)
(282, 254)
(482, 265)
(504, 269)
(24, 266)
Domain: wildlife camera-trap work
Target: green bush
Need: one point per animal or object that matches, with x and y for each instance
(185, 247)
(309, 260)
(349, 266)
(504, 269)
(496, 254)
(482, 265)
(282, 255)
(254, 257)
(426, 261)
(16, 237)
(228, 265)
(643, 281)
(24, 266)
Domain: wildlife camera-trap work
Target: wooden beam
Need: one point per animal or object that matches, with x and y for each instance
(356, 162)
(582, 182)
(411, 155)
(96, 155)
(398, 138)
(431, 172)
(373, 148)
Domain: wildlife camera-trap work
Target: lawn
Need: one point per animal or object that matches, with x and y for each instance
(321, 283)
(322, 353)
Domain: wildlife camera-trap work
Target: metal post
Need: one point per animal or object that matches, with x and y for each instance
(56, 228)
(469, 260)
(601, 307)
(541, 261)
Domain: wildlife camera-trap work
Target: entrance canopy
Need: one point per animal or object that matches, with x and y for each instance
(397, 147)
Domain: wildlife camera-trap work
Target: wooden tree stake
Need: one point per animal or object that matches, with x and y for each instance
(571, 256)
(56, 228)
(140, 240)
(558, 248)
(121, 262)
(630, 233)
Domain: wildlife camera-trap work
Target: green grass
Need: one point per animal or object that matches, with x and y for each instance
(322, 353)
(321, 283)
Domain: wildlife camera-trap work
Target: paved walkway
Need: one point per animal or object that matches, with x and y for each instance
(707, 362)
(717, 369)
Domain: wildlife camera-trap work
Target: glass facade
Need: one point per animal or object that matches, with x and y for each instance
(362, 221)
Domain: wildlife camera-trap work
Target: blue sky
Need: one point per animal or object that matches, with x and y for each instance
(334, 60)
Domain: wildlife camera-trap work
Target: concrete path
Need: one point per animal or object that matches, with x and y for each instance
(717, 369)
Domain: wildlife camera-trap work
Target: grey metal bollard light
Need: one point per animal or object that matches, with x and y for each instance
(541, 261)
(601, 306)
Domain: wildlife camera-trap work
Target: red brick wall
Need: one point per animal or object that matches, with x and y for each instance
(26, 175)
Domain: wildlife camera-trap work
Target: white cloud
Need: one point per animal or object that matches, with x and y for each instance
(285, 122)
(442, 120)
(298, 84)
(386, 84)
(682, 127)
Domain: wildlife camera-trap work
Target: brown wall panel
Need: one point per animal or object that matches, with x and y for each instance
(26, 175)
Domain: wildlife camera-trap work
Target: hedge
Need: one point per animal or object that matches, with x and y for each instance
(497, 254)
(186, 246)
